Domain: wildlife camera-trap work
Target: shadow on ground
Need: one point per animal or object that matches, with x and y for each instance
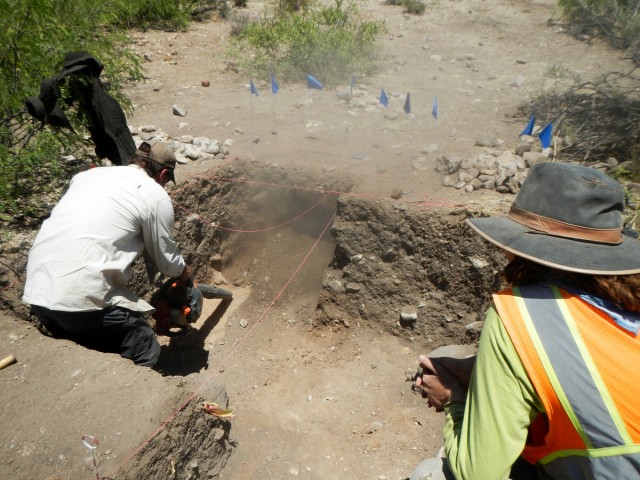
(186, 351)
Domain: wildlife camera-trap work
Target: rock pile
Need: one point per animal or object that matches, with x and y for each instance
(186, 147)
(500, 170)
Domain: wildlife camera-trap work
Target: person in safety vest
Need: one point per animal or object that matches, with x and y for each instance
(556, 381)
(81, 260)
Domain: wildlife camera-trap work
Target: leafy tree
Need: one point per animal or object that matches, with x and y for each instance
(36, 35)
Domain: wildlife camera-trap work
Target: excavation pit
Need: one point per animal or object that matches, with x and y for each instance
(323, 279)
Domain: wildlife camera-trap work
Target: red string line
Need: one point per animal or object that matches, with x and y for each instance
(213, 224)
(226, 358)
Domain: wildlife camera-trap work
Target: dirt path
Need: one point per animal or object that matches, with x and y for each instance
(320, 403)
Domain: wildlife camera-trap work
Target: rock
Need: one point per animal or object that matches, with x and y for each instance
(215, 261)
(470, 174)
(488, 141)
(475, 326)
(523, 148)
(71, 160)
(532, 158)
(333, 284)
(192, 152)
(214, 147)
(344, 94)
(489, 183)
(478, 184)
(478, 262)
(353, 287)
(612, 162)
(205, 83)
(454, 351)
(179, 111)
(421, 163)
(408, 315)
(449, 180)
(201, 142)
(518, 81)
(448, 165)
(429, 149)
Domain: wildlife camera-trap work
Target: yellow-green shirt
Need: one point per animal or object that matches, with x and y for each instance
(486, 435)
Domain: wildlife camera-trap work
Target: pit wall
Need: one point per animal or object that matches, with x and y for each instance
(195, 445)
(420, 274)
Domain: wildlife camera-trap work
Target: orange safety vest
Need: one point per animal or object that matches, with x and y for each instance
(586, 371)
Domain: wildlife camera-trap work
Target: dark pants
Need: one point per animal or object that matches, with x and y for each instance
(112, 330)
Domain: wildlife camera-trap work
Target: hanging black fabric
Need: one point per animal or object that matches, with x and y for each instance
(107, 122)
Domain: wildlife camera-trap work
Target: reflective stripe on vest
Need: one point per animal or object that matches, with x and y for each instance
(567, 378)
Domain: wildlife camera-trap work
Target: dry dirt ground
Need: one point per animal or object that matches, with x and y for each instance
(316, 402)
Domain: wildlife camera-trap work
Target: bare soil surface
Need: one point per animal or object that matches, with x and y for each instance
(318, 379)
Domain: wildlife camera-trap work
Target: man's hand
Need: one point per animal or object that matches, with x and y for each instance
(187, 275)
(439, 386)
(461, 368)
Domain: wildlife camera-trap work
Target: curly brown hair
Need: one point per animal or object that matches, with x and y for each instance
(620, 289)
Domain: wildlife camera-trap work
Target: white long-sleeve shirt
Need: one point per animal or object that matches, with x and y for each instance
(81, 258)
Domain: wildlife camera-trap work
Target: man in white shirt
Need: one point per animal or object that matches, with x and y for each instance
(81, 260)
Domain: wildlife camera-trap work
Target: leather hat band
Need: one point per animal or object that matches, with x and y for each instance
(550, 226)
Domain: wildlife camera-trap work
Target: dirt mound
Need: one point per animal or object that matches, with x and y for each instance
(412, 273)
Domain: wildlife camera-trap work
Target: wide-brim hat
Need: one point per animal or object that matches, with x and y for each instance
(568, 217)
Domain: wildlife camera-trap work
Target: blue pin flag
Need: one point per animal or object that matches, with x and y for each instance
(434, 109)
(253, 89)
(274, 84)
(528, 130)
(545, 135)
(352, 84)
(313, 83)
(407, 104)
(384, 100)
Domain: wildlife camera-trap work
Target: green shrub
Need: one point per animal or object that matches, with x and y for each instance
(168, 15)
(330, 43)
(597, 119)
(414, 7)
(239, 22)
(616, 20)
(294, 5)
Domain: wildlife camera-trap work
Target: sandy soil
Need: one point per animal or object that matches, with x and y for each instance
(310, 402)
